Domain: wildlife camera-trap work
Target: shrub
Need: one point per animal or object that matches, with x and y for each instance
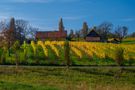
(16, 48)
(119, 56)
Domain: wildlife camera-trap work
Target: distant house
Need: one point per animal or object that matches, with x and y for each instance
(52, 35)
(93, 36)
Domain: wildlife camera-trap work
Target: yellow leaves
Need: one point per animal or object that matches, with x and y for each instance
(44, 48)
(89, 48)
(55, 49)
(76, 51)
(34, 47)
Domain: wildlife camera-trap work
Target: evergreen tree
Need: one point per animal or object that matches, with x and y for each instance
(9, 34)
(85, 30)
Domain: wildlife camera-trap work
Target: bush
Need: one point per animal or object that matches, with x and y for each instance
(16, 48)
(119, 56)
(3, 52)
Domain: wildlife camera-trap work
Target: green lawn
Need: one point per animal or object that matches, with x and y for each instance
(61, 78)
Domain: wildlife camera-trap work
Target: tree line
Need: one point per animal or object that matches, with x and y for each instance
(21, 30)
(106, 30)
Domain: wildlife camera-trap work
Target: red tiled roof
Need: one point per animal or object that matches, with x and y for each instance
(50, 34)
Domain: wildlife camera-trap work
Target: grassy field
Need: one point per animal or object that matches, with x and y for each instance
(61, 78)
(129, 41)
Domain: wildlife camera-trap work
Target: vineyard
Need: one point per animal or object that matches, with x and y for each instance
(79, 49)
(81, 53)
(84, 50)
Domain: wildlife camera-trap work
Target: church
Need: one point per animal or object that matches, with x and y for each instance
(61, 34)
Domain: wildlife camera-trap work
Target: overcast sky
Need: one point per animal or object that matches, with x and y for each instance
(45, 14)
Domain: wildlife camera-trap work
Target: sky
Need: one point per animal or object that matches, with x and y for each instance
(45, 14)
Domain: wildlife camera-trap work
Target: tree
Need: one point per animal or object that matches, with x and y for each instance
(85, 30)
(16, 30)
(3, 27)
(9, 34)
(121, 32)
(104, 30)
(32, 32)
(71, 35)
(77, 34)
(61, 26)
(22, 29)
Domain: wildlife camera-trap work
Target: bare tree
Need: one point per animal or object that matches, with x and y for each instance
(104, 29)
(121, 32)
(3, 25)
(32, 32)
(22, 30)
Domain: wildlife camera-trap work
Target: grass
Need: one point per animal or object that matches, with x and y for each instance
(61, 78)
(128, 41)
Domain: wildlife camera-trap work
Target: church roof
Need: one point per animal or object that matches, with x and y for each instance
(49, 31)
